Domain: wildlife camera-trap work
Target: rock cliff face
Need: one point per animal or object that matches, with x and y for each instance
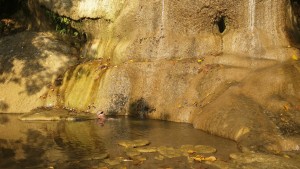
(229, 68)
(164, 29)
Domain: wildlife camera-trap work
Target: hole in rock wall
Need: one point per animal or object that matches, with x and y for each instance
(221, 24)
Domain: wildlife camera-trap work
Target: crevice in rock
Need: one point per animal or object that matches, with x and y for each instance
(94, 19)
(63, 24)
(221, 24)
(294, 32)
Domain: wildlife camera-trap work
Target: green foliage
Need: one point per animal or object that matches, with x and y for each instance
(62, 24)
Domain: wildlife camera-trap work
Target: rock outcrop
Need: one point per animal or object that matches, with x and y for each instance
(229, 68)
(29, 63)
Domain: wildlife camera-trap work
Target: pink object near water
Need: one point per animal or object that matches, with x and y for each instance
(101, 117)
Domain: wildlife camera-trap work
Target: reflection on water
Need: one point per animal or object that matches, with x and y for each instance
(71, 144)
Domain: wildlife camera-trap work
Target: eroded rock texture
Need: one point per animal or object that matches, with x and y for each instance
(230, 68)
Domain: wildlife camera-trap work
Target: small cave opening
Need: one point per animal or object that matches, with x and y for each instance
(221, 24)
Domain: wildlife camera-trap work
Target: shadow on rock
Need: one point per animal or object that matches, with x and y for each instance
(3, 106)
(140, 109)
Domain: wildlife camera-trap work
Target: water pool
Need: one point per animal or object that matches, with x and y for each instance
(88, 144)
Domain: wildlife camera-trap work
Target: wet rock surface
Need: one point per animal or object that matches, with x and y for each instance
(147, 149)
(202, 156)
(130, 152)
(169, 152)
(140, 155)
(202, 149)
(99, 157)
(133, 143)
(56, 115)
(258, 160)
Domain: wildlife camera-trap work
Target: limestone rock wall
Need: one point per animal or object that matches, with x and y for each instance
(229, 68)
(164, 29)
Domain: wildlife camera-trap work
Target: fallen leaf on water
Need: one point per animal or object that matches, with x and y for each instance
(198, 158)
(211, 158)
(202, 158)
(199, 60)
(295, 57)
(286, 107)
(126, 160)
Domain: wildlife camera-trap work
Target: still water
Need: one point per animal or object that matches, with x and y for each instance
(62, 144)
